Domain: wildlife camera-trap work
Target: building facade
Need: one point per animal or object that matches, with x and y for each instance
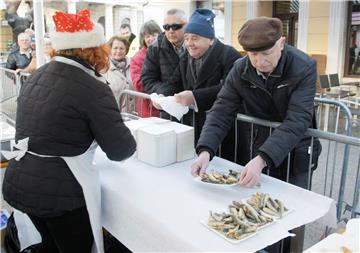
(327, 30)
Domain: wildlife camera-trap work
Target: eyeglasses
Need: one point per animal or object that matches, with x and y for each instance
(174, 27)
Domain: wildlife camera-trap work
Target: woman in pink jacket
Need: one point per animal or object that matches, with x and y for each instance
(148, 34)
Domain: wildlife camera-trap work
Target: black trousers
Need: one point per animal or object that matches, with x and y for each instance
(68, 233)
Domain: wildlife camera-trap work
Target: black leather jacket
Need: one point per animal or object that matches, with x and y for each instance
(16, 60)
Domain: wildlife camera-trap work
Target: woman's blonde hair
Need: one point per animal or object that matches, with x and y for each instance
(124, 40)
(97, 57)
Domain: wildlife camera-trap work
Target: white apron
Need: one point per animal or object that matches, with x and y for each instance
(86, 174)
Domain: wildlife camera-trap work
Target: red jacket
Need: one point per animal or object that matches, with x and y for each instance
(143, 106)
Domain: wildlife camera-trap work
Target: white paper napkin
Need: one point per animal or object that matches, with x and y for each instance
(169, 105)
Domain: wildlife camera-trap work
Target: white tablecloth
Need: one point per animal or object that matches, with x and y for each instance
(334, 242)
(160, 209)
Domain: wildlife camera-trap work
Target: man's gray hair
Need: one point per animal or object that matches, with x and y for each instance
(179, 13)
(24, 35)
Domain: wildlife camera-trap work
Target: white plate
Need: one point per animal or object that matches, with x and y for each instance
(204, 222)
(198, 179)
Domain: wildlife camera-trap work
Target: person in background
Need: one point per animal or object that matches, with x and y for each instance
(21, 57)
(148, 34)
(163, 55)
(47, 51)
(201, 72)
(125, 31)
(118, 75)
(63, 108)
(275, 82)
(31, 33)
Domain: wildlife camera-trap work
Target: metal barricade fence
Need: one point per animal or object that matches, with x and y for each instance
(127, 95)
(9, 92)
(331, 116)
(339, 168)
(336, 177)
(334, 145)
(11, 83)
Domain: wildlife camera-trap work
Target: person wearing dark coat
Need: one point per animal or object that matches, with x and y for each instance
(200, 74)
(21, 57)
(62, 109)
(275, 82)
(163, 55)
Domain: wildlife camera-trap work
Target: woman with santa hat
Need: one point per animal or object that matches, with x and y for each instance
(64, 110)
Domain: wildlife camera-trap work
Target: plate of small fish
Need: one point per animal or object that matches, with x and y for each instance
(245, 218)
(218, 178)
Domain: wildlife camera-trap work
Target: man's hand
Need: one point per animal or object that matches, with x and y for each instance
(185, 98)
(201, 163)
(18, 71)
(250, 175)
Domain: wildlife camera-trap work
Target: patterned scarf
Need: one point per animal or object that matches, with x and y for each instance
(120, 65)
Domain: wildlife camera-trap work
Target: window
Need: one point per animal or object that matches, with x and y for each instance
(352, 55)
(287, 12)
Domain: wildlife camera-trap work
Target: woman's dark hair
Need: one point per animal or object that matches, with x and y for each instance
(119, 38)
(149, 27)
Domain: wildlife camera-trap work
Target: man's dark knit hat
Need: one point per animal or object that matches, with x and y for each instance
(201, 23)
(260, 34)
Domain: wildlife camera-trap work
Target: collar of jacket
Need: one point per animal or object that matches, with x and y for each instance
(165, 43)
(250, 71)
(76, 62)
(113, 67)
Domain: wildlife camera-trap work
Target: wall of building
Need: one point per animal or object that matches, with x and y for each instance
(239, 14)
(238, 19)
(318, 28)
(265, 8)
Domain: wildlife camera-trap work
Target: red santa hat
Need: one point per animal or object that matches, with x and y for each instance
(76, 31)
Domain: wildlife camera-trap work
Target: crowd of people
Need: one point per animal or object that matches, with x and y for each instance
(274, 81)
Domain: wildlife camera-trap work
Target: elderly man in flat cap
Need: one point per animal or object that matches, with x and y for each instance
(201, 72)
(275, 82)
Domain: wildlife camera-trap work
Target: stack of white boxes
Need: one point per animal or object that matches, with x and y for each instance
(162, 142)
(184, 140)
(156, 145)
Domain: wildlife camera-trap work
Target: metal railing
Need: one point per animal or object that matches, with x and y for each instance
(339, 144)
(11, 82)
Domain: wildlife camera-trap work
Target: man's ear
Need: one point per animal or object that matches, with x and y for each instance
(282, 42)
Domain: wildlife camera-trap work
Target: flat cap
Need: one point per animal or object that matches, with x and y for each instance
(260, 34)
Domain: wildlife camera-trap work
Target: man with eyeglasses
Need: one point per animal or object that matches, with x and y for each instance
(275, 82)
(202, 70)
(163, 55)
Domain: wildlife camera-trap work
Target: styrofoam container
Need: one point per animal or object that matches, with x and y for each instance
(184, 140)
(133, 126)
(154, 120)
(156, 145)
